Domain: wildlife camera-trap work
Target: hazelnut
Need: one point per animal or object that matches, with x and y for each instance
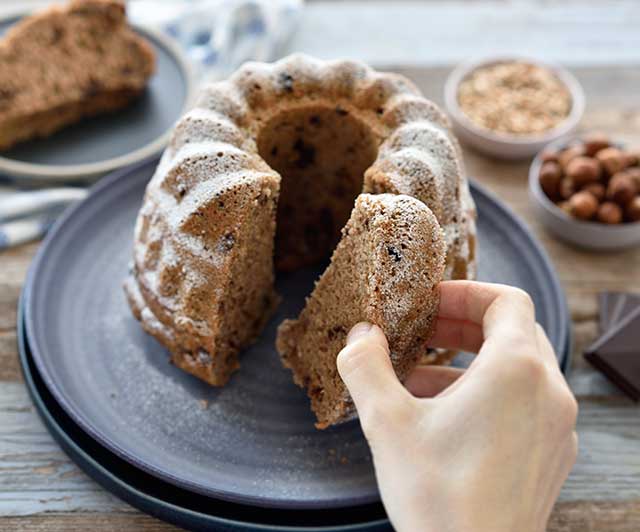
(634, 174)
(614, 160)
(597, 189)
(567, 188)
(621, 189)
(583, 170)
(594, 143)
(583, 205)
(632, 211)
(550, 175)
(565, 156)
(610, 213)
(549, 156)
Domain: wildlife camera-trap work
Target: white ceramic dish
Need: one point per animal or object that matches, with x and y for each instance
(503, 145)
(96, 146)
(589, 235)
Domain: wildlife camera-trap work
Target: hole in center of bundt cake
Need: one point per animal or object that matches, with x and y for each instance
(321, 154)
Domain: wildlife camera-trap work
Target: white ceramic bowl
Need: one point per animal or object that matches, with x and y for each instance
(503, 145)
(590, 235)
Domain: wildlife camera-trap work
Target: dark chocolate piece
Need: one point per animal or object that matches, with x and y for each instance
(617, 354)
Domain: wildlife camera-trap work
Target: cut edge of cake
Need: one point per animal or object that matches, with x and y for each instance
(385, 270)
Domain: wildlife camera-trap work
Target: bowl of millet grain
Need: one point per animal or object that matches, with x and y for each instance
(511, 107)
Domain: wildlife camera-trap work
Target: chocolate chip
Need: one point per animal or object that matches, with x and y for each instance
(56, 34)
(314, 120)
(316, 391)
(393, 252)
(286, 80)
(336, 332)
(341, 111)
(7, 94)
(227, 242)
(306, 154)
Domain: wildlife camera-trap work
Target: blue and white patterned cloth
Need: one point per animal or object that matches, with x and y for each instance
(218, 35)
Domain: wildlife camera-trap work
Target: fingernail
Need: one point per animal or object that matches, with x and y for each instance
(358, 331)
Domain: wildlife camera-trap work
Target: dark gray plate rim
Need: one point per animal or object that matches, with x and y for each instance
(558, 303)
(68, 173)
(166, 501)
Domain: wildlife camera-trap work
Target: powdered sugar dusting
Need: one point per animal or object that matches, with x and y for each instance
(212, 167)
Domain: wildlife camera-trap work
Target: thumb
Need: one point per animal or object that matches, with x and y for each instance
(365, 368)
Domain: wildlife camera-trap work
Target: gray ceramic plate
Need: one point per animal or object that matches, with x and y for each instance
(101, 144)
(253, 441)
(171, 503)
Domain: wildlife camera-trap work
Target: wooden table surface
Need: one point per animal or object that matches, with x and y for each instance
(41, 489)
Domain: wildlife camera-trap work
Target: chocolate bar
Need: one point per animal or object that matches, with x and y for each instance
(616, 353)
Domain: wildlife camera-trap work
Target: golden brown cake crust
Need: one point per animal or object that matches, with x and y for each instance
(277, 155)
(68, 62)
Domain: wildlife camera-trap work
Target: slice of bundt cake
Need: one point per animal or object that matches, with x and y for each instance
(385, 271)
(66, 63)
(267, 166)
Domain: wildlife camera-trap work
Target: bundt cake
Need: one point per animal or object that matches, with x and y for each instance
(68, 62)
(385, 270)
(265, 170)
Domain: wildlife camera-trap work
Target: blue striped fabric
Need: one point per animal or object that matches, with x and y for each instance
(217, 35)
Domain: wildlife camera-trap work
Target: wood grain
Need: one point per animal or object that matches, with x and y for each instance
(585, 516)
(566, 517)
(40, 489)
(81, 522)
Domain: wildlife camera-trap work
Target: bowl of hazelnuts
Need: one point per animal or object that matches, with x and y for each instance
(587, 192)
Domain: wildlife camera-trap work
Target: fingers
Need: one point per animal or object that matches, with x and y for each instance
(366, 370)
(429, 381)
(479, 302)
(466, 300)
(506, 314)
(457, 334)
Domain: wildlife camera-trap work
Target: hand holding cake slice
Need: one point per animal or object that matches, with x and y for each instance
(385, 270)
